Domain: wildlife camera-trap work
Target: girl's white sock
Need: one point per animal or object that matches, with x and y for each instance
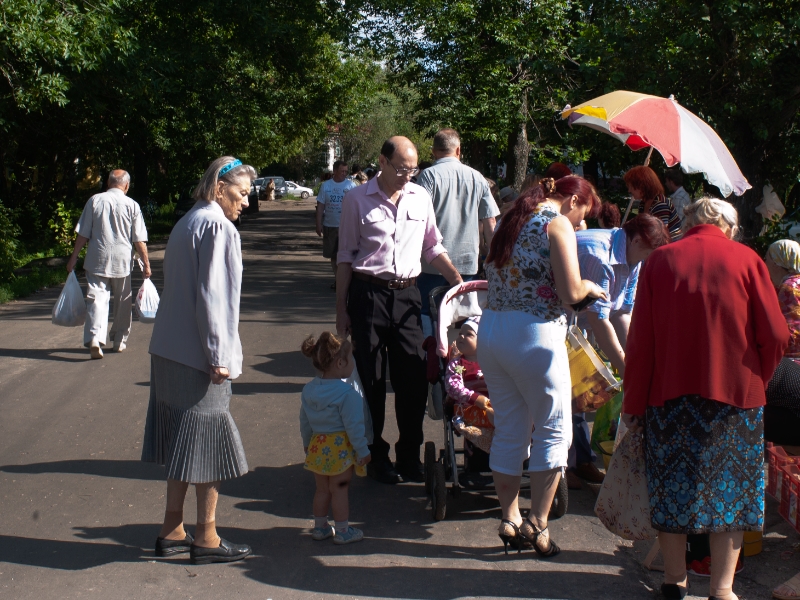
(341, 526)
(320, 522)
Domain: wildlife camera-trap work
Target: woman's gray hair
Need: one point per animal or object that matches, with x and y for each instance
(711, 211)
(208, 183)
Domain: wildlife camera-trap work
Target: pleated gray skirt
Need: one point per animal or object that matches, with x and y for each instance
(189, 426)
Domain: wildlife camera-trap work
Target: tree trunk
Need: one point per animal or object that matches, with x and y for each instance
(518, 148)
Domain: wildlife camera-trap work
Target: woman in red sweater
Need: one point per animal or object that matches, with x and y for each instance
(706, 335)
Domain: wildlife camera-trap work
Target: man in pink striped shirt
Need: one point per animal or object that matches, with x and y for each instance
(386, 225)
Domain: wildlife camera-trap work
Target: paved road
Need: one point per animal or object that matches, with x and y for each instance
(80, 512)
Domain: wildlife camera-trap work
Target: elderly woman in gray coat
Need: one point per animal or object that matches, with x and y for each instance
(195, 352)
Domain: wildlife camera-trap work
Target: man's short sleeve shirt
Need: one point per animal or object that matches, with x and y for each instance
(330, 196)
(112, 222)
(461, 197)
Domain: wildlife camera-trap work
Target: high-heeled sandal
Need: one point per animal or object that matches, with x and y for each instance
(517, 541)
(551, 551)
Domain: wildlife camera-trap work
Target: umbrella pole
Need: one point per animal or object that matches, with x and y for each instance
(627, 210)
(649, 154)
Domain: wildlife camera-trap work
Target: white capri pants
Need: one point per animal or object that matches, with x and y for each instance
(524, 360)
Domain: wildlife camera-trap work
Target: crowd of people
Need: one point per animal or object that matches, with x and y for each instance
(688, 317)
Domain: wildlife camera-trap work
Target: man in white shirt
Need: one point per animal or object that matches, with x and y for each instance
(112, 225)
(329, 211)
(673, 181)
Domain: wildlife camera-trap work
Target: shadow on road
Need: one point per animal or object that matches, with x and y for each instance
(47, 354)
(250, 389)
(286, 364)
(369, 569)
(69, 555)
(288, 558)
(124, 469)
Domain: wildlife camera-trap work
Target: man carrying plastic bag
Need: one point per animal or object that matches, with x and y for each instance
(70, 309)
(112, 225)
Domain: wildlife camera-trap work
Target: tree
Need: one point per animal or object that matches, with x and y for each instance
(735, 64)
(384, 110)
(492, 69)
(160, 87)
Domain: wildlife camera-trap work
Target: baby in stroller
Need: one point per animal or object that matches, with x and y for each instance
(466, 388)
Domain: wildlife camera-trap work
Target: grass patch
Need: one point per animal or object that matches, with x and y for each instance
(25, 285)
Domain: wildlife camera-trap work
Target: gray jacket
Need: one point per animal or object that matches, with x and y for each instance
(198, 316)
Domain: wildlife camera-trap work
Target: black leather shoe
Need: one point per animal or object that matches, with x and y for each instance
(166, 548)
(226, 552)
(411, 471)
(383, 471)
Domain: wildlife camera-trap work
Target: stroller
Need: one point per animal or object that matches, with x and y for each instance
(451, 307)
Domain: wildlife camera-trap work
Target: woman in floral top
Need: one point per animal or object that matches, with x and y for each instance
(783, 263)
(532, 269)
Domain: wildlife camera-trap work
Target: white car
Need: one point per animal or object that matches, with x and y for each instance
(293, 189)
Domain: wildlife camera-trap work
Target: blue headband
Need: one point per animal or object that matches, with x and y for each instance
(229, 166)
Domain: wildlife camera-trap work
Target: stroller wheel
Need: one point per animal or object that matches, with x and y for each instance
(430, 462)
(561, 500)
(439, 495)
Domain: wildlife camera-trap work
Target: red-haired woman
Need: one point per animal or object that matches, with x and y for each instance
(532, 269)
(644, 185)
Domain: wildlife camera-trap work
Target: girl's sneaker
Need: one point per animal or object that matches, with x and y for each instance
(350, 536)
(322, 533)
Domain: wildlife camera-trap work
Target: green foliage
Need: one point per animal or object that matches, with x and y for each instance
(9, 232)
(160, 88)
(62, 224)
(388, 109)
(25, 285)
(773, 230)
(489, 68)
(735, 64)
(45, 43)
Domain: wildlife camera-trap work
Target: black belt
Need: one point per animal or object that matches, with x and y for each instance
(392, 284)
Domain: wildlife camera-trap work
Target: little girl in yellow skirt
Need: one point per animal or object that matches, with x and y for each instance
(334, 435)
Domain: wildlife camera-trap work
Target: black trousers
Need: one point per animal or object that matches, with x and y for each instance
(386, 324)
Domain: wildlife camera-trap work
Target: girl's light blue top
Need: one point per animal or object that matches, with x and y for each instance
(330, 405)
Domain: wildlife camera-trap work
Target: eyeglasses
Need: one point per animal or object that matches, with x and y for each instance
(402, 171)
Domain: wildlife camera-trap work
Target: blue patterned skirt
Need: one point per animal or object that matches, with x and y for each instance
(705, 466)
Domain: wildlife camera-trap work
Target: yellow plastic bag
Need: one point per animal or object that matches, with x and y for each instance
(593, 383)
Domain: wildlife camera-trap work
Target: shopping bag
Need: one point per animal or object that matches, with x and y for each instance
(593, 383)
(623, 504)
(147, 302)
(605, 428)
(70, 308)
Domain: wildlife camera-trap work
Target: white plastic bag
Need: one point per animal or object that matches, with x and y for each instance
(147, 302)
(70, 308)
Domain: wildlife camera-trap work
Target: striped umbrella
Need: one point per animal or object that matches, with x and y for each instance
(642, 121)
